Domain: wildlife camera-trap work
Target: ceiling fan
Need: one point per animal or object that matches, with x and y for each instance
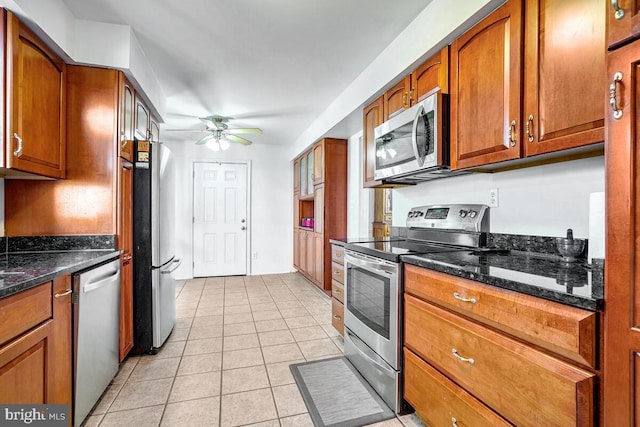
(220, 135)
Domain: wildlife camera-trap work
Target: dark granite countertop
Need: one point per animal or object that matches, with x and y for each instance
(543, 276)
(23, 270)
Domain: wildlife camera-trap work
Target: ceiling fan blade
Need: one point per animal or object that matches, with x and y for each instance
(205, 139)
(215, 121)
(238, 139)
(243, 130)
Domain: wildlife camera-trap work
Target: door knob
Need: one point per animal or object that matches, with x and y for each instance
(243, 228)
(242, 220)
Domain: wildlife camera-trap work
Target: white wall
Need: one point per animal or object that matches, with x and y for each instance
(270, 223)
(541, 200)
(358, 215)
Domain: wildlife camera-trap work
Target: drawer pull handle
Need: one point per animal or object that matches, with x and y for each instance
(617, 112)
(337, 291)
(337, 317)
(619, 12)
(18, 150)
(63, 294)
(463, 299)
(454, 422)
(512, 133)
(462, 359)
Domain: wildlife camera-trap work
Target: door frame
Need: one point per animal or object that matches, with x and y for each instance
(247, 163)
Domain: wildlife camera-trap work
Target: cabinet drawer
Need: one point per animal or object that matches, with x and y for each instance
(337, 290)
(337, 254)
(23, 311)
(565, 330)
(524, 385)
(438, 401)
(337, 315)
(337, 272)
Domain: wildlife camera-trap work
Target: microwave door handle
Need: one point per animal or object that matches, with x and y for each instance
(414, 139)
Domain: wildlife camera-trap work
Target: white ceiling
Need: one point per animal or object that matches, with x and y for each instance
(273, 64)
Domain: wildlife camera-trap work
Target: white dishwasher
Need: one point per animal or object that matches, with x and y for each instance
(96, 314)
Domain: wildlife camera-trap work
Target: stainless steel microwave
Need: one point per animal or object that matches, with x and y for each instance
(414, 145)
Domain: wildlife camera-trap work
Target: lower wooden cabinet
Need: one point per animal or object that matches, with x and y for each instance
(35, 364)
(337, 288)
(337, 315)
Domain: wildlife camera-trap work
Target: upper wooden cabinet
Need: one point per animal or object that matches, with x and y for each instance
(486, 69)
(35, 103)
(563, 69)
(373, 115)
(623, 22)
(154, 130)
(126, 118)
(142, 124)
(398, 98)
(296, 176)
(318, 163)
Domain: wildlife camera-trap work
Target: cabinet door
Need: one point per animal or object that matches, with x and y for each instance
(622, 275)
(154, 130)
(486, 64)
(36, 104)
(141, 120)
(126, 117)
(60, 376)
(302, 247)
(432, 75)
(623, 21)
(296, 247)
(561, 67)
(303, 175)
(125, 243)
(296, 176)
(318, 269)
(397, 99)
(318, 207)
(318, 163)
(310, 170)
(310, 262)
(373, 115)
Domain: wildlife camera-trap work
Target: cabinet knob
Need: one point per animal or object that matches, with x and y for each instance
(18, 151)
(619, 12)
(613, 102)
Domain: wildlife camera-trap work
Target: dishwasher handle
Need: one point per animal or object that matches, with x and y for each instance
(92, 286)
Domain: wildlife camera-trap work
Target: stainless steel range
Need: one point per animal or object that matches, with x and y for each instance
(373, 288)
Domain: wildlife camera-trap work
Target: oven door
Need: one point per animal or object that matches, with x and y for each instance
(372, 304)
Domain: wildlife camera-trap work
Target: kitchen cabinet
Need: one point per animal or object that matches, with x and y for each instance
(296, 247)
(142, 124)
(125, 244)
(505, 356)
(397, 98)
(35, 87)
(486, 82)
(126, 119)
(154, 129)
(561, 67)
(337, 288)
(35, 354)
(622, 280)
(330, 155)
(623, 22)
(373, 116)
(296, 176)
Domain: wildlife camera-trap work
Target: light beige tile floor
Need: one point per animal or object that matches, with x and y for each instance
(227, 360)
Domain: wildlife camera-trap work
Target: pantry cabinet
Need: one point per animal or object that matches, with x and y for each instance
(35, 87)
(561, 67)
(323, 183)
(475, 352)
(623, 22)
(622, 275)
(36, 345)
(125, 244)
(486, 70)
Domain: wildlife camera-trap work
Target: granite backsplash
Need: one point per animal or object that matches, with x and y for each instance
(56, 243)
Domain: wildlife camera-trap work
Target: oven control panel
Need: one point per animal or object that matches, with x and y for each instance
(450, 217)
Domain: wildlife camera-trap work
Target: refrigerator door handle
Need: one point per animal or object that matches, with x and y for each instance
(177, 262)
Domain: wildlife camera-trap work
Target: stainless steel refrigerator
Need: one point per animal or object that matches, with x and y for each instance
(154, 261)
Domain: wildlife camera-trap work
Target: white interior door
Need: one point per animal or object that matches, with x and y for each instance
(220, 219)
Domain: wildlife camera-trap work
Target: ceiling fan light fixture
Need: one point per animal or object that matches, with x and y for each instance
(224, 144)
(213, 145)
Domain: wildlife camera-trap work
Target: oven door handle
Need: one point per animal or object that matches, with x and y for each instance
(376, 360)
(377, 267)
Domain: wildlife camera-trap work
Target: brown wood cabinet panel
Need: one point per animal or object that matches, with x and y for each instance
(380, 230)
(296, 176)
(439, 402)
(398, 98)
(432, 75)
(125, 243)
(310, 254)
(337, 290)
(126, 117)
(337, 316)
(296, 247)
(302, 246)
(561, 67)
(337, 254)
(318, 163)
(23, 311)
(154, 130)
(318, 208)
(84, 203)
(318, 256)
(565, 330)
(61, 376)
(625, 25)
(373, 116)
(486, 66)
(141, 126)
(525, 386)
(622, 275)
(36, 103)
(126, 309)
(337, 272)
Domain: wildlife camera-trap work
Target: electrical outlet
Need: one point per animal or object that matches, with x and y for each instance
(255, 255)
(493, 197)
